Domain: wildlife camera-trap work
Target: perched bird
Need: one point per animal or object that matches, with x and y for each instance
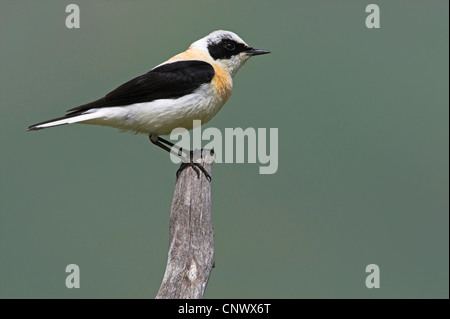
(193, 85)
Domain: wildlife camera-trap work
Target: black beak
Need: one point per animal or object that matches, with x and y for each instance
(252, 52)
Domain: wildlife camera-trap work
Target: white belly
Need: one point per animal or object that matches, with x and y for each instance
(160, 117)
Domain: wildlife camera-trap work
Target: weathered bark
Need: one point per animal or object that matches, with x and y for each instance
(191, 250)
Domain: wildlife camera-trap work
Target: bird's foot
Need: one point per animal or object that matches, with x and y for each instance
(192, 162)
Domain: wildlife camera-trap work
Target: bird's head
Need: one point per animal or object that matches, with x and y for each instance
(227, 49)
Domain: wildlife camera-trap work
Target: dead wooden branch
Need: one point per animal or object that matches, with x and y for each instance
(191, 249)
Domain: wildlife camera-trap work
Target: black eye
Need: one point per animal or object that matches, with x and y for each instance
(229, 46)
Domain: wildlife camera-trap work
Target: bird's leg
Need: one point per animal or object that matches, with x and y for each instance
(158, 141)
(186, 161)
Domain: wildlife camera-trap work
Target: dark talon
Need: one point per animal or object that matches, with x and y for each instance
(195, 166)
(182, 167)
(208, 177)
(168, 146)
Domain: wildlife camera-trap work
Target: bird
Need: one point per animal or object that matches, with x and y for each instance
(192, 85)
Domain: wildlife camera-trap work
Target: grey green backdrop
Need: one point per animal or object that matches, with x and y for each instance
(363, 150)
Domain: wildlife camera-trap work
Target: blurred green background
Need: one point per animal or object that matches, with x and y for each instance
(363, 150)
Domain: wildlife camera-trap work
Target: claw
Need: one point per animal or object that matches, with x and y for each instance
(167, 146)
(195, 166)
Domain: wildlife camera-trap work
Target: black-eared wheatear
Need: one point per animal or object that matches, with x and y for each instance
(193, 85)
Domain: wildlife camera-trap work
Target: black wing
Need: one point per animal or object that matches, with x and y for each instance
(168, 81)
